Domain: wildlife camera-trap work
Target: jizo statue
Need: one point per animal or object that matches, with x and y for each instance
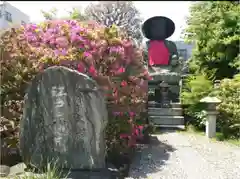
(161, 54)
(157, 29)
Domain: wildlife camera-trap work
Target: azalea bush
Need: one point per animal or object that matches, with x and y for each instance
(103, 53)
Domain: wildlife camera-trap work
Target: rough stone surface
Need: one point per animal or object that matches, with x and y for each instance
(4, 170)
(173, 155)
(64, 119)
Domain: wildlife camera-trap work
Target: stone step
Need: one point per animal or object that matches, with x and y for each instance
(166, 120)
(176, 105)
(165, 111)
(181, 127)
(158, 105)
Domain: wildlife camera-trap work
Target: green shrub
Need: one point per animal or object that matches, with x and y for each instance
(228, 91)
(194, 89)
(229, 117)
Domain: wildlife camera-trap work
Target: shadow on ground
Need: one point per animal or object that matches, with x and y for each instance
(150, 158)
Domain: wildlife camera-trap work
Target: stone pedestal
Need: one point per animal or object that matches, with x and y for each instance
(211, 124)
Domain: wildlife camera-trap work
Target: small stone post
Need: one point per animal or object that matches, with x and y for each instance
(164, 89)
(212, 112)
(216, 84)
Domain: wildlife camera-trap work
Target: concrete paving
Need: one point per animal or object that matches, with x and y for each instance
(173, 155)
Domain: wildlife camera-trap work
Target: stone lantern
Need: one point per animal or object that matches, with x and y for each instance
(212, 113)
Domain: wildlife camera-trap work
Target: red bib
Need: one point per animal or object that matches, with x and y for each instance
(158, 53)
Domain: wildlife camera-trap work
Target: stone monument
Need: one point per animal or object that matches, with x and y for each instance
(165, 68)
(64, 119)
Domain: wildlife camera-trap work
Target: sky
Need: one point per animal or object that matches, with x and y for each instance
(175, 10)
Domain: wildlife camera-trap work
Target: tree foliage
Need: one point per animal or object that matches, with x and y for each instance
(214, 27)
(121, 13)
(75, 13)
(50, 15)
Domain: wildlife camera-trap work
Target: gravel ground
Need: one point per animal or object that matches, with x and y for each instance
(174, 155)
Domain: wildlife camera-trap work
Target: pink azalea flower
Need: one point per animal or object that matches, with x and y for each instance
(31, 26)
(81, 68)
(81, 46)
(60, 52)
(87, 54)
(76, 29)
(51, 30)
(73, 38)
(123, 136)
(123, 83)
(116, 113)
(92, 71)
(136, 131)
(52, 41)
(62, 42)
(120, 70)
(131, 114)
(149, 77)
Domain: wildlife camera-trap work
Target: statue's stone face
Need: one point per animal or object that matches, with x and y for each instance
(158, 31)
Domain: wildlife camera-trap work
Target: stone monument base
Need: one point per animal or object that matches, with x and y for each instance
(107, 173)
